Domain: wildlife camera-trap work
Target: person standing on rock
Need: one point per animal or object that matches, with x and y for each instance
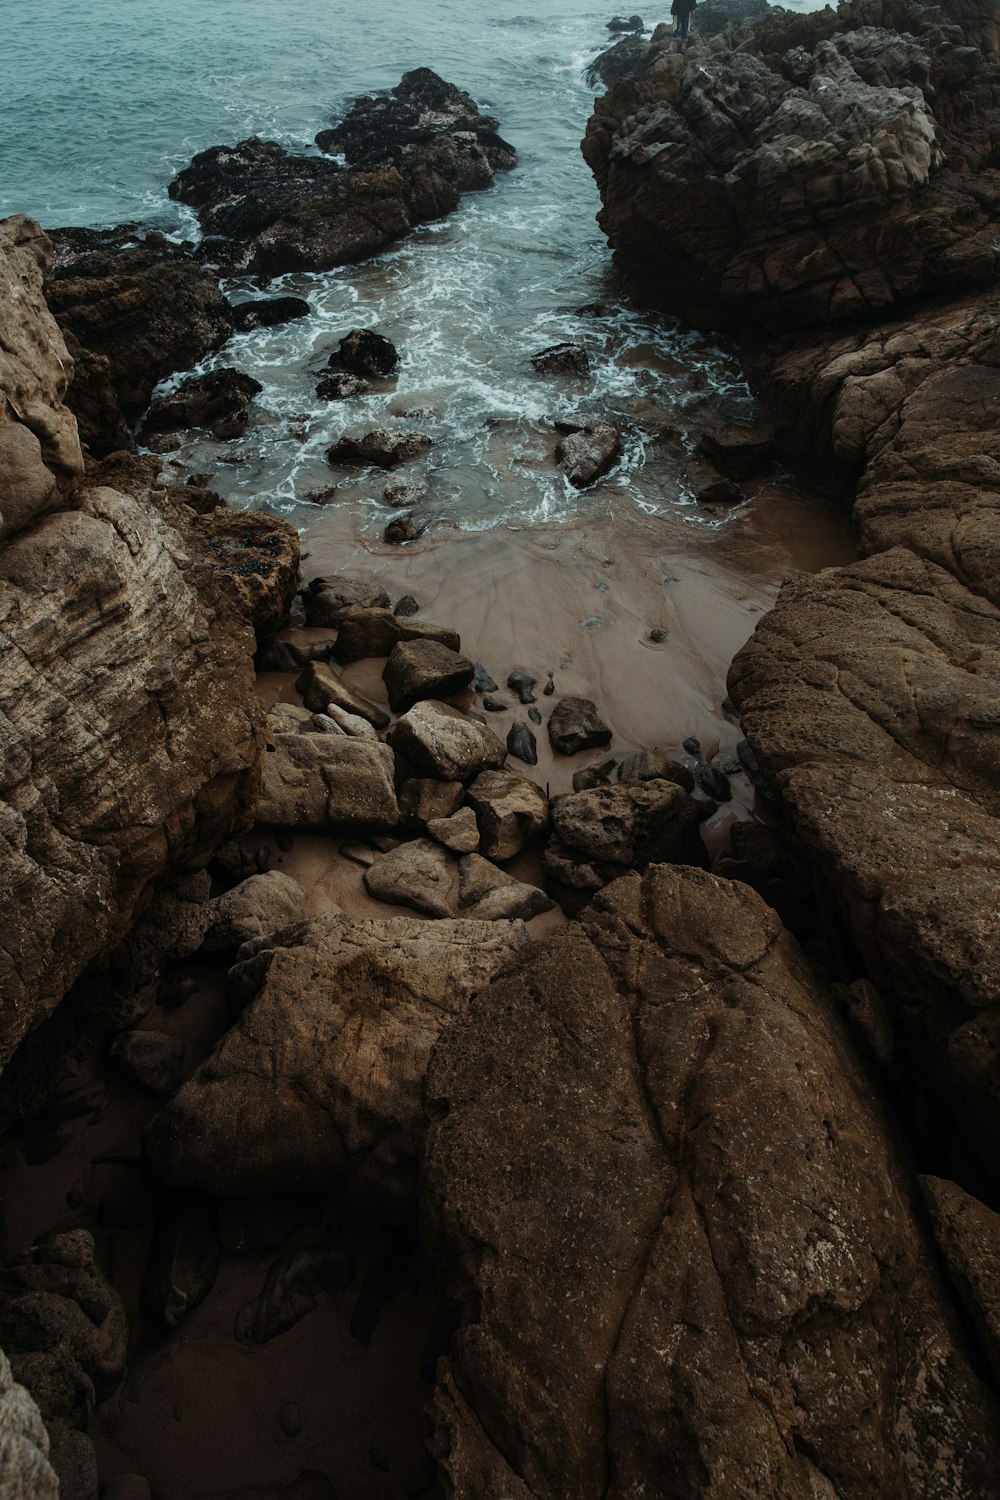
(681, 12)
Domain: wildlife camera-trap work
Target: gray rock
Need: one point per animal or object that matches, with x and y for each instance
(419, 874)
(599, 833)
(328, 781)
(403, 490)
(488, 894)
(252, 909)
(379, 447)
(521, 742)
(330, 597)
(584, 456)
(25, 1471)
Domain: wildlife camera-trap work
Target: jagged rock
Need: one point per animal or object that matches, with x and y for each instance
(405, 607)
(459, 832)
(341, 385)
(575, 725)
(424, 669)
(621, 23)
(510, 811)
(320, 1082)
(488, 894)
(184, 1260)
(655, 1121)
(328, 781)
(252, 909)
(968, 1234)
(40, 458)
(256, 557)
(738, 449)
(521, 743)
(779, 186)
(598, 833)
(320, 686)
(598, 774)
(483, 682)
(418, 874)
(423, 799)
(379, 447)
(366, 353)
(219, 401)
(122, 758)
(403, 490)
(562, 359)
(267, 312)
(330, 598)
(443, 742)
(291, 1290)
(153, 1059)
(134, 308)
(25, 1471)
(63, 1326)
(584, 456)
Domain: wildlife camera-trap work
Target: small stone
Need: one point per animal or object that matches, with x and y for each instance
(360, 854)
(406, 606)
(351, 724)
(440, 741)
(714, 783)
(510, 810)
(330, 597)
(659, 635)
(483, 682)
(521, 742)
(692, 745)
(562, 359)
(402, 490)
(423, 798)
(549, 687)
(599, 774)
(588, 453)
(340, 385)
(419, 874)
(534, 715)
(404, 529)
(321, 687)
(153, 1059)
(521, 683)
(495, 705)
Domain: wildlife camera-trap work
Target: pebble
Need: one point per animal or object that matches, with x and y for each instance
(534, 715)
(483, 682)
(521, 683)
(521, 742)
(658, 635)
(407, 606)
(495, 705)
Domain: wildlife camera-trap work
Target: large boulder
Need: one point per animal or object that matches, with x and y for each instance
(321, 1081)
(510, 811)
(598, 833)
(328, 781)
(134, 308)
(424, 669)
(684, 1249)
(803, 179)
(442, 742)
(25, 1471)
(219, 401)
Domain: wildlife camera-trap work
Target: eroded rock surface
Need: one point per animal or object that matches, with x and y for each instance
(321, 1081)
(686, 1253)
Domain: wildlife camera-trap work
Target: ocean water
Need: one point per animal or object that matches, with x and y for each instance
(103, 100)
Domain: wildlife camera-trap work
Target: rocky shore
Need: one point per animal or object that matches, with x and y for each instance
(405, 1091)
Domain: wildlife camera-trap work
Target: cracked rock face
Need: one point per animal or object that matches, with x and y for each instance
(686, 1253)
(770, 189)
(341, 1016)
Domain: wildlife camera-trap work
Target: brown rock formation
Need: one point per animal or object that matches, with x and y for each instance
(131, 731)
(685, 1248)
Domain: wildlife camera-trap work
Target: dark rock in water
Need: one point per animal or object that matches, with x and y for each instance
(483, 682)
(720, 491)
(625, 59)
(405, 607)
(658, 635)
(292, 1288)
(267, 312)
(521, 742)
(380, 447)
(134, 308)
(712, 780)
(410, 156)
(495, 705)
(521, 683)
(403, 489)
(330, 598)
(219, 401)
(367, 353)
(587, 453)
(562, 359)
(183, 1261)
(414, 127)
(591, 310)
(322, 497)
(621, 23)
(404, 529)
(534, 715)
(424, 669)
(575, 725)
(153, 1059)
(340, 385)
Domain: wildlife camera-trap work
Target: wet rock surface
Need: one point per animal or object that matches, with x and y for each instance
(694, 1120)
(584, 456)
(219, 401)
(410, 157)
